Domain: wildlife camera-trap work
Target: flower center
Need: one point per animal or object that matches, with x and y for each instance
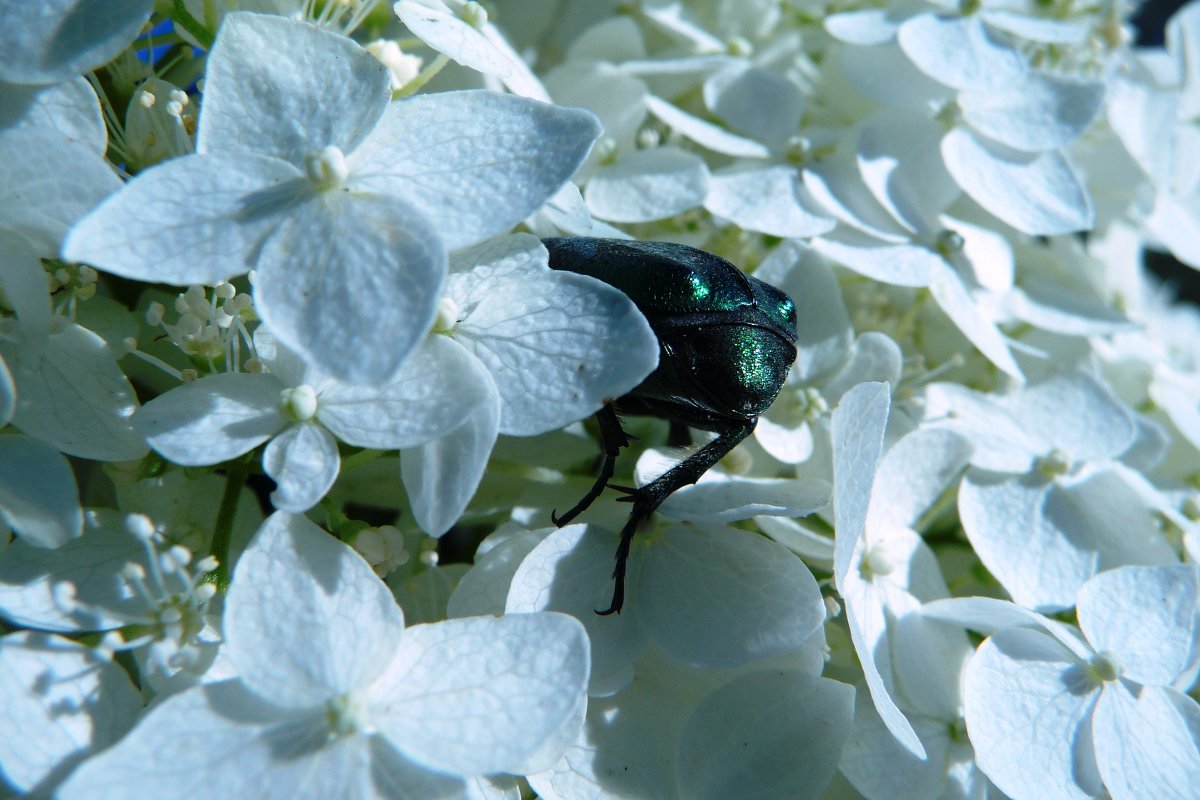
(326, 168)
(299, 404)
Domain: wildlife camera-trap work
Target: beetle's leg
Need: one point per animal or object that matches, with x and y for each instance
(646, 499)
(612, 439)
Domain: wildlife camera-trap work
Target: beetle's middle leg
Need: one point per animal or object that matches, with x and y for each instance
(612, 439)
(648, 498)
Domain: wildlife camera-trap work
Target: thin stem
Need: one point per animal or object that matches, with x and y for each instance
(184, 19)
(235, 481)
(360, 458)
(423, 77)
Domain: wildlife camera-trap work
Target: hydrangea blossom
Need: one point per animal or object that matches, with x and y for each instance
(281, 530)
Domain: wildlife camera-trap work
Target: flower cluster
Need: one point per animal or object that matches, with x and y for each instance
(289, 394)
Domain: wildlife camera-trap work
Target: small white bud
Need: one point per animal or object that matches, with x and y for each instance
(326, 168)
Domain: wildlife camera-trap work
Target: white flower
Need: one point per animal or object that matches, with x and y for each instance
(66, 700)
(345, 215)
(334, 697)
(1055, 713)
(300, 410)
(55, 40)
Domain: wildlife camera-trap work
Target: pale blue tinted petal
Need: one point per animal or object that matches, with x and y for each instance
(303, 461)
(647, 185)
(53, 40)
(1148, 618)
(766, 734)
(858, 426)
(476, 162)
(717, 597)
(47, 183)
(441, 475)
(213, 419)
(1028, 706)
(66, 701)
(70, 107)
(316, 89)
(38, 496)
(351, 282)
(195, 219)
(769, 200)
(960, 51)
(481, 695)
(1147, 742)
(72, 394)
(306, 620)
(571, 571)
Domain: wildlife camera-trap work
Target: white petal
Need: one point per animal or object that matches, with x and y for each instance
(571, 571)
(481, 695)
(837, 184)
(441, 475)
(859, 422)
(317, 89)
(1148, 617)
(1099, 426)
(194, 219)
(886, 75)
(705, 614)
(436, 389)
(1147, 745)
(1037, 28)
(953, 297)
(879, 766)
(900, 162)
(786, 729)
(72, 394)
(25, 282)
(1001, 443)
(1036, 194)
(306, 620)
(213, 419)
(481, 50)
(647, 185)
(769, 200)
(960, 51)
(72, 588)
(742, 498)
(55, 40)
(988, 615)
(874, 357)
(1040, 112)
(47, 184)
(868, 26)
(8, 394)
(485, 586)
(70, 107)
(913, 474)
(823, 327)
(476, 162)
(351, 282)
(269, 753)
(66, 700)
(755, 101)
(783, 442)
(899, 265)
(703, 133)
(38, 496)
(558, 347)
(1028, 705)
(303, 461)
(1036, 564)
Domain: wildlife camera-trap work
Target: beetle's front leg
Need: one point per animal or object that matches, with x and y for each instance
(612, 439)
(648, 498)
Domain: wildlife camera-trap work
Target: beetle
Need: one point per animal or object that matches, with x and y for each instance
(726, 342)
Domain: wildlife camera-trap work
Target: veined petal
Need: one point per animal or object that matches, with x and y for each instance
(55, 40)
(647, 185)
(317, 89)
(1036, 194)
(303, 461)
(1148, 743)
(194, 219)
(960, 51)
(481, 695)
(770, 200)
(351, 282)
(213, 419)
(1040, 112)
(306, 620)
(476, 162)
(859, 422)
(38, 496)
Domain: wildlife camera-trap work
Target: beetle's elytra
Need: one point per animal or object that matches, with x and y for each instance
(726, 342)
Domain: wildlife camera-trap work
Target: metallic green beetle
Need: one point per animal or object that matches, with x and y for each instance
(726, 342)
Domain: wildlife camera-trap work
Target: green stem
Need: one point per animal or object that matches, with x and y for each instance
(360, 458)
(184, 19)
(423, 77)
(235, 481)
